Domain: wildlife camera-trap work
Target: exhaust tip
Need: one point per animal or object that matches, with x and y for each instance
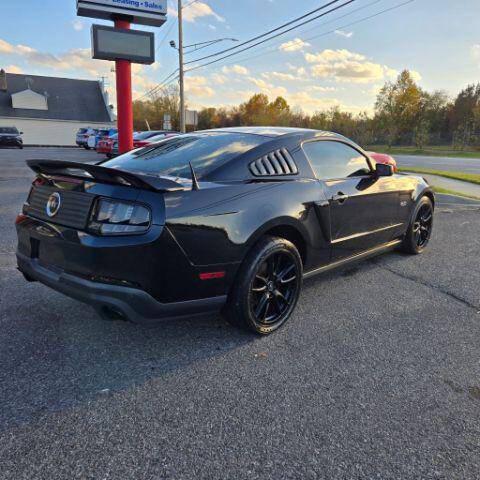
(112, 314)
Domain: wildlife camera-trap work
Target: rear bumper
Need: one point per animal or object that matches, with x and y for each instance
(133, 304)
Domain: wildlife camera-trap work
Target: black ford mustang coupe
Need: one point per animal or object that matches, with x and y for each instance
(229, 220)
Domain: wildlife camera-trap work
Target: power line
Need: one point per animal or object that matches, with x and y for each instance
(160, 85)
(324, 33)
(167, 33)
(268, 49)
(326, 5)
(271, 38)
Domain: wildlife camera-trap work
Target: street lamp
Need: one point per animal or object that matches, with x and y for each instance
(181, 51)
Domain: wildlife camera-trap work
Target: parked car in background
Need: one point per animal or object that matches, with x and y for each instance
(227, 220)
(82, 136)
(156, 138)
(140, 139)
(105, 145)
(384, 158)
(114, 149)
(10, 137)
(100, 134)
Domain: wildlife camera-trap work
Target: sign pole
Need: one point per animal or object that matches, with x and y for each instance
(123, 69)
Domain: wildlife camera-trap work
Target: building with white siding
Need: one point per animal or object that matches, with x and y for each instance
(50, 110)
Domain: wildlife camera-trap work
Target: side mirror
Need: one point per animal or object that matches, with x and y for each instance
(21, 133)
(383, 170)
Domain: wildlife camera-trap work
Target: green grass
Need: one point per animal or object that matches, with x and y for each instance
(464, 177)
(447, 191)
(435, 151)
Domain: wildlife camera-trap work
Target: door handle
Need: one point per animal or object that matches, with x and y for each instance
(340, 197)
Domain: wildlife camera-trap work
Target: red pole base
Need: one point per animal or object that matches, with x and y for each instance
(123, 70)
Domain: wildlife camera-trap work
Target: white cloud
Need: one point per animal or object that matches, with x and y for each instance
(13, 69)
(302, 71)
(318, 88)
(75, 59)
(474, 49)
(299, 71)
(238, 69)
(78, 25)
(293, 45)
(286, 77)
(328, 56)
(309, 103)
(197, 87)
(390, 72)
(268, 89)
(198, 10)
(345, 66)
(342, 33)
(218, 78)
(6, 47)
(415, 75)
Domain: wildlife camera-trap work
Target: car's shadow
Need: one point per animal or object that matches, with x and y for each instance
(59, 354)
(56, 353)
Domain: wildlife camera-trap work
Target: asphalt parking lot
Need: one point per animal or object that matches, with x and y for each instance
(377, 375)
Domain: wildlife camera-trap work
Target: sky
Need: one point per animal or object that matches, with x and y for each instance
(342, 59)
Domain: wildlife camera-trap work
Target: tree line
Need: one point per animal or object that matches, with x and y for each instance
(404, 114)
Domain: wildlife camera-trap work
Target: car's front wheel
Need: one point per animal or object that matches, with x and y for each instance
(420, 229)
(267, 287)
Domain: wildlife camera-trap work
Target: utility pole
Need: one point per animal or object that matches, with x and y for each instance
(181, 73)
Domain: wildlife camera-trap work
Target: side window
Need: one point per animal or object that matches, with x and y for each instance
(335, 160)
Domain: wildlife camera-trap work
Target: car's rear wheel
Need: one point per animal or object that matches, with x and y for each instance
(420, 229)
(267, 287)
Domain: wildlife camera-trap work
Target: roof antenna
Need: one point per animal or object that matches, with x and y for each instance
(195, 185)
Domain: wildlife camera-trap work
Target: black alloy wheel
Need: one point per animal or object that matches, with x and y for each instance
(420, 229)
(267, 287)
(273, 288)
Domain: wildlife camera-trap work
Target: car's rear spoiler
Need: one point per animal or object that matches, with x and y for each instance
(104, 175)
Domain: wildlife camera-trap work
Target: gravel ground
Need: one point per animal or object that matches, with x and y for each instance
(377, 374)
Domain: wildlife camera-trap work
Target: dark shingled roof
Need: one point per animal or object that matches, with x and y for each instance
(68, 99)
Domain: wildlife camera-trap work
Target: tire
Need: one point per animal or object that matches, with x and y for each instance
(20, 147)
(86, 147)
(267, 287)
(420, 229)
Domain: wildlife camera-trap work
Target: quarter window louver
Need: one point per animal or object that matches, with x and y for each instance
(279, 162)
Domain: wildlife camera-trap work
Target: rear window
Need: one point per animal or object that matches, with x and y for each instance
(206, 152)
(82, 130)
(8, 130)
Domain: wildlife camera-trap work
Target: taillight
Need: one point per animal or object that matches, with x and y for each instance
(115, 217)
(20, 218)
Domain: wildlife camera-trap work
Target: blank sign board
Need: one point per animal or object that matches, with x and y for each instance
(142, 12)
(110, 43)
